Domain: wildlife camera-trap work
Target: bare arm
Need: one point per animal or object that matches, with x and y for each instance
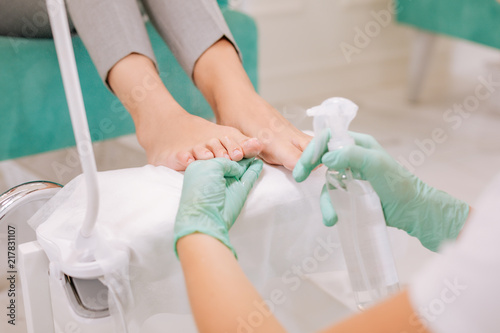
(394, 315)
(222, 297)
(220, 294)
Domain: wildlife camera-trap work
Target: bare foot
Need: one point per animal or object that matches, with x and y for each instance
(253, 116)
(171, 136)
(221, 78)
(177, 140)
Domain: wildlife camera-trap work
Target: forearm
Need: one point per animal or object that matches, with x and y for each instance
(222, 298)
(220, 294)
(439, 216)
(394, 315)
(449, 213)
(465, 223)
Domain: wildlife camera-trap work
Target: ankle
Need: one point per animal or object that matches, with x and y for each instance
(218, 73)
(154, 117)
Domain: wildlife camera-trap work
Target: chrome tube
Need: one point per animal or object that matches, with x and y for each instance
(25, 193)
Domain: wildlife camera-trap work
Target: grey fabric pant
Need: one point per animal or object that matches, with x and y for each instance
(113, 29)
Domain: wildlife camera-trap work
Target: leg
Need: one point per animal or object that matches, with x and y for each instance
(422, 47)
(117, 41)
(110, 30)
(200, 39)
(223, 81)
(171, 136)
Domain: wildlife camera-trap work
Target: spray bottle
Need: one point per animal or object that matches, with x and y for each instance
(361, 223)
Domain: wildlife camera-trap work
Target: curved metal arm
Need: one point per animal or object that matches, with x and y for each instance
(25, 193)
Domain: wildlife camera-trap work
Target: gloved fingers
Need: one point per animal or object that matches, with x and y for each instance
(237, 191)
(239, 172)
(329, 215)
(365, 140)
(245, 163)
(251, 175)
(354, 157)
(231, 168)
(311, 157)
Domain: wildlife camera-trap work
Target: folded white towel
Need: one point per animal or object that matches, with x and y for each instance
(279, 235)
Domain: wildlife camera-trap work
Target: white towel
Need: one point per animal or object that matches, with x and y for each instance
(279, 236)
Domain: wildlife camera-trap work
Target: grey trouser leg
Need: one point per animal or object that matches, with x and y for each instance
(189, 27)
(110, 30)
(113, 29)
(25, 18)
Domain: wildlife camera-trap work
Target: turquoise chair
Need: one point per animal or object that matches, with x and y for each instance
(34, 113)
(473, 20)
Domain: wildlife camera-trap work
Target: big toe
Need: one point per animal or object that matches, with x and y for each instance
(252, 147)
(283, 153)
(182, 160)
(302, 141)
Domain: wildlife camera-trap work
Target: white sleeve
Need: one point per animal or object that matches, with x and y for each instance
(459, 291)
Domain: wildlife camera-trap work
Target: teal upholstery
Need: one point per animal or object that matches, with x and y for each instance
(34, 115)
(473, 20)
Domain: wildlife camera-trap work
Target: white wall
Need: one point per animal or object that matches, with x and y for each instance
(300, 47)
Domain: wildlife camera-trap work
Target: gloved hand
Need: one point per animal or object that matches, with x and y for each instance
(213, 194)
(408, 203)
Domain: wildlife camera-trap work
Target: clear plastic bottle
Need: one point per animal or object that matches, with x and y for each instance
(361, 223)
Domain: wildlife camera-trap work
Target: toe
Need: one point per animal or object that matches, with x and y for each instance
(233, 148)
(202, 153)
(176, 161)
(284, 153)
(302, 141)
(216, 147)
(251, 147)
(182, 160)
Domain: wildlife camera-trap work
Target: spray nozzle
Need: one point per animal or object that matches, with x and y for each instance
(336, 114)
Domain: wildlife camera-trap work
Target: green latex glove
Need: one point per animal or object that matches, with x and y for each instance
(213, 194)
(310, 159)
(408, 203)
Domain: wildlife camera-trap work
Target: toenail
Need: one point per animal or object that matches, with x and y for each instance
(226, 155)
(248, 141)
(190, 160)
(236, 151)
